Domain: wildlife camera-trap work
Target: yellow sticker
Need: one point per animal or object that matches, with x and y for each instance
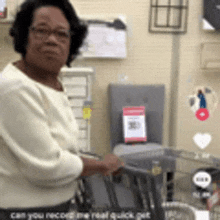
(87, 113)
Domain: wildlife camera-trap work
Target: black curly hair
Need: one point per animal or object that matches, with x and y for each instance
(24, 17)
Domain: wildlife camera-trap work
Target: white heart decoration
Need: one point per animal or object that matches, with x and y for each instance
(202, 140)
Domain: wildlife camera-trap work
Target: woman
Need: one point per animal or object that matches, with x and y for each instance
(39, 161)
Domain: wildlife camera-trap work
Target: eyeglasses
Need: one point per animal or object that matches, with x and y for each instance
(42, 33)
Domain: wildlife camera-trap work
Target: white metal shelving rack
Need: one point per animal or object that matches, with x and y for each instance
(77, 83)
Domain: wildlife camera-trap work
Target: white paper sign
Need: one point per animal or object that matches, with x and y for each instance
(134, 124)
(105, 41)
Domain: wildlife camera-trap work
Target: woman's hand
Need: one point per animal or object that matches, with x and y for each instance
(112, 164)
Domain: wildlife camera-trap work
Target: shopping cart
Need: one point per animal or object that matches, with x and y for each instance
(186, 199)
(137, 194)
(130, 195)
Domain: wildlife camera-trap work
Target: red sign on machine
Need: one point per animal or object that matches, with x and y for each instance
(134, 125)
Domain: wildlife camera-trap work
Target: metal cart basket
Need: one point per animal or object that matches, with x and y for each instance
(181, 197)
(142, 190)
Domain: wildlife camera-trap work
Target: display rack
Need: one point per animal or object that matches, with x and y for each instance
(77, 83)
(210, 55)
(168, 17)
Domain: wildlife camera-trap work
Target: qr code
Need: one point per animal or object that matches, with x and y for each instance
(133, 125)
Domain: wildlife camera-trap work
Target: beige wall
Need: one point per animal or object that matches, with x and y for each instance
(6, 52)
(148, 62)
(190, 68)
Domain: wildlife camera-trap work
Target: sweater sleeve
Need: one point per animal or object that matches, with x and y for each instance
(23, 125)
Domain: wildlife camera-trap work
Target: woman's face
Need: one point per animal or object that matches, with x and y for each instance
(49, 53)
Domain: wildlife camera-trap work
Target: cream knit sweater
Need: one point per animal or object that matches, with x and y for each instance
(39, 164)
